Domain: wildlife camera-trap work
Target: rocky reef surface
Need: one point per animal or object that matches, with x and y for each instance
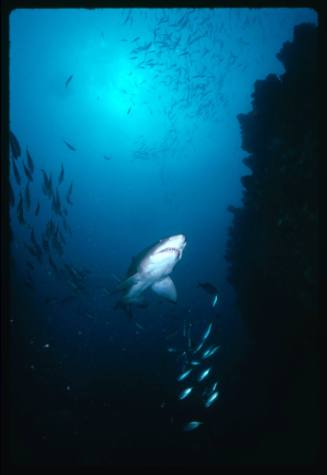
(272, 248)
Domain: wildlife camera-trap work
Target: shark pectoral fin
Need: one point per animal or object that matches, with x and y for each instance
(165, 288)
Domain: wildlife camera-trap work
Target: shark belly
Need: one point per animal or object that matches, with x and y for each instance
(152, 274)
(135, 292)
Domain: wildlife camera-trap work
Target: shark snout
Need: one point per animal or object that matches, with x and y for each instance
(178, 241)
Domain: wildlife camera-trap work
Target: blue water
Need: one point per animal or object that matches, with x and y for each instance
(157, 92)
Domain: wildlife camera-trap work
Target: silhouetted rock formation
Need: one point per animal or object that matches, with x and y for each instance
(273, 241)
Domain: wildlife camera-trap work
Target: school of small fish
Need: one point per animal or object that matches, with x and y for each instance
(48, 246)
(195, 375)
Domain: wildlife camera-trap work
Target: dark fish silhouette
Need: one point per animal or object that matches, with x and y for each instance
(35, 249)
(61, 176)
(37, 209)
(50, 188)
(27, 196)
(36, 244)
(27, 172)
(14, 145)
(56, 204)
(45, 244)
(47, 184)
(106, 157)
(68, 80)
(20, 210)
(145, 47)
(52, 264)
(209, 288)
(31, 250)
(50, 228)
(70, 146)
(30, 162)
(16, 173)
(57, 245)
(69, 193)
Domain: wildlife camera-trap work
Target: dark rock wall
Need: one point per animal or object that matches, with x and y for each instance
(273, 242)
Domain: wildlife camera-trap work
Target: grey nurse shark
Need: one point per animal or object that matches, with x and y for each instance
(151, 269)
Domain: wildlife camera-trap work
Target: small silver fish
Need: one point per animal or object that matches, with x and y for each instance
(186, 392)
(210, 351)
(205, 354)
(207, 332)
(195, 363)
(184, 375)
(204, 374)
(192, 425)
(211, 399)
(211, 389)
(198, 348)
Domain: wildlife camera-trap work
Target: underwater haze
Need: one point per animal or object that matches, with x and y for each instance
(124, 132)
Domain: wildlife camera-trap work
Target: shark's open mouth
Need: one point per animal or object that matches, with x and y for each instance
(171, 249)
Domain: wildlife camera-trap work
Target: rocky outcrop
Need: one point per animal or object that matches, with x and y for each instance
(273, 256)
(273, 241)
